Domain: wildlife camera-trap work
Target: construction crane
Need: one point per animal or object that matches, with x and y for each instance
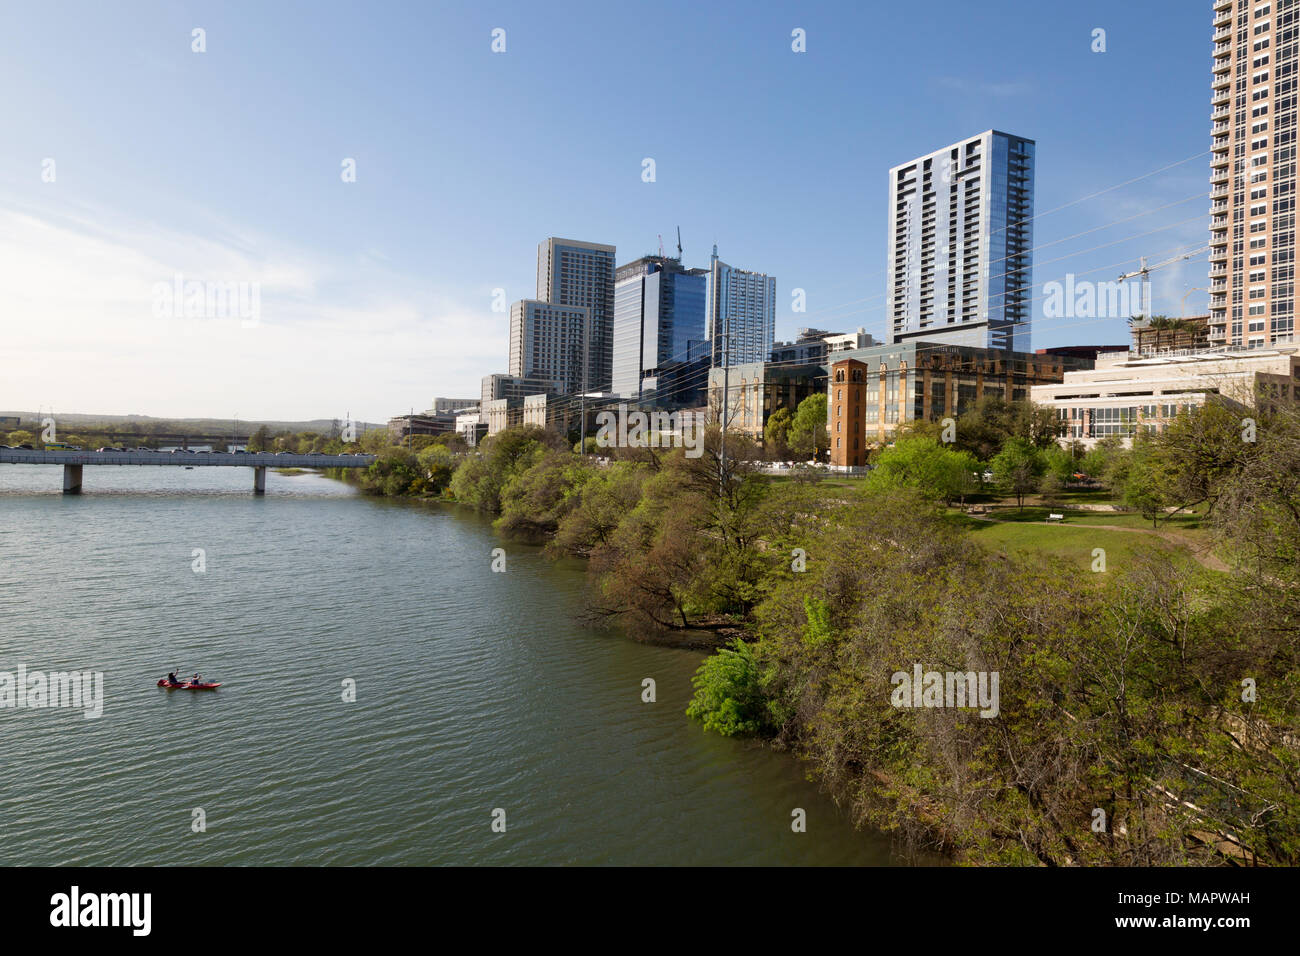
(679, 243)
(1145, 271)
(661, 245)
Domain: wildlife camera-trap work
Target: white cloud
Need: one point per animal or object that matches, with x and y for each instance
(334, 334)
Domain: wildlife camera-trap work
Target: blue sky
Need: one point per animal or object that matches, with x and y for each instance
(375, 295)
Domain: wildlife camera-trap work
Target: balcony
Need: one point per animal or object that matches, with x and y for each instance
(1222, 98)
(1222, 82)
(1222, 113)
(1223, 36)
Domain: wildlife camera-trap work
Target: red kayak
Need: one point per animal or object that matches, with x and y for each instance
(189, 685)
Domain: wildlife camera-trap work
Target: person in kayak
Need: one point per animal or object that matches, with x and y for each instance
(171, 679)
(196, 679)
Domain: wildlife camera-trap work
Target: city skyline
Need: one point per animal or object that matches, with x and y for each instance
(178, 173)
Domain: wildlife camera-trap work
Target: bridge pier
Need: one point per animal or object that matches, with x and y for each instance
(259, 479)
(72, 479)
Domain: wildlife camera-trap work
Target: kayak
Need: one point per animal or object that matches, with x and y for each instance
(189, 685)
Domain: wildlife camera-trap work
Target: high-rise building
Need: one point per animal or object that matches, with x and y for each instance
(960, 241)
(660, 353)
(547, 343)
(581, 275)
(1253, 173)
(740, 308)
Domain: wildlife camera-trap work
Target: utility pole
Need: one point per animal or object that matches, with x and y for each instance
(726, 367)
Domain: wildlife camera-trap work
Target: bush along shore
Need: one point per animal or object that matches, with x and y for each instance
(1025, 707)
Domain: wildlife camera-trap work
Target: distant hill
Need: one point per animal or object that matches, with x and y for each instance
(210, 426)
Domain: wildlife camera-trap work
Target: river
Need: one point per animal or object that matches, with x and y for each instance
(475, 692)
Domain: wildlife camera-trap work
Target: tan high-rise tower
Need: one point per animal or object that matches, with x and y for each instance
(1253, 173)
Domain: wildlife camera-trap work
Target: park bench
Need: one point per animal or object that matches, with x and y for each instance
(1055, 517)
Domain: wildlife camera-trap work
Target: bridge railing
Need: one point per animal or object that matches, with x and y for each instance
(22, 456)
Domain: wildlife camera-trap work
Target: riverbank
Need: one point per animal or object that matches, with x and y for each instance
(474, 691)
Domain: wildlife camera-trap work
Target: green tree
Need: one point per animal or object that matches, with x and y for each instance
(938, 471)
(985, 427)
(481, 477)
(808, 436)
(1145, 488)
(776, 434)
(260, 439)
(439, 465)
(1018, 468)
(728, 693)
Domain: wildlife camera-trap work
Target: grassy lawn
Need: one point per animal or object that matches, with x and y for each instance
(1073, 543)
(1123, 519)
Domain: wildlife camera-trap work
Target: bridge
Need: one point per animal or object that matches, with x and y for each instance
(181, 439)
(73, 461)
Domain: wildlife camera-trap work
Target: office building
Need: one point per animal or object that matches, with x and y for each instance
(660, 353)
(471, 425)
(960, 244)
(497, 385)
(547, 344)
(441, 405)
(1253, 174)
(740, 307)
(580, 275)
(1127, 391)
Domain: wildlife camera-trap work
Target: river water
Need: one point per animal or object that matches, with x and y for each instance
(475, 692)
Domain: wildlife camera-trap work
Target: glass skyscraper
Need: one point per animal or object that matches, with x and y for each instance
(660, 353)
(960, 244)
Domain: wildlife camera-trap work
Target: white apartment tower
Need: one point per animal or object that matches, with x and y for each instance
(960, 244)
(739, 313)
(1253, 173)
